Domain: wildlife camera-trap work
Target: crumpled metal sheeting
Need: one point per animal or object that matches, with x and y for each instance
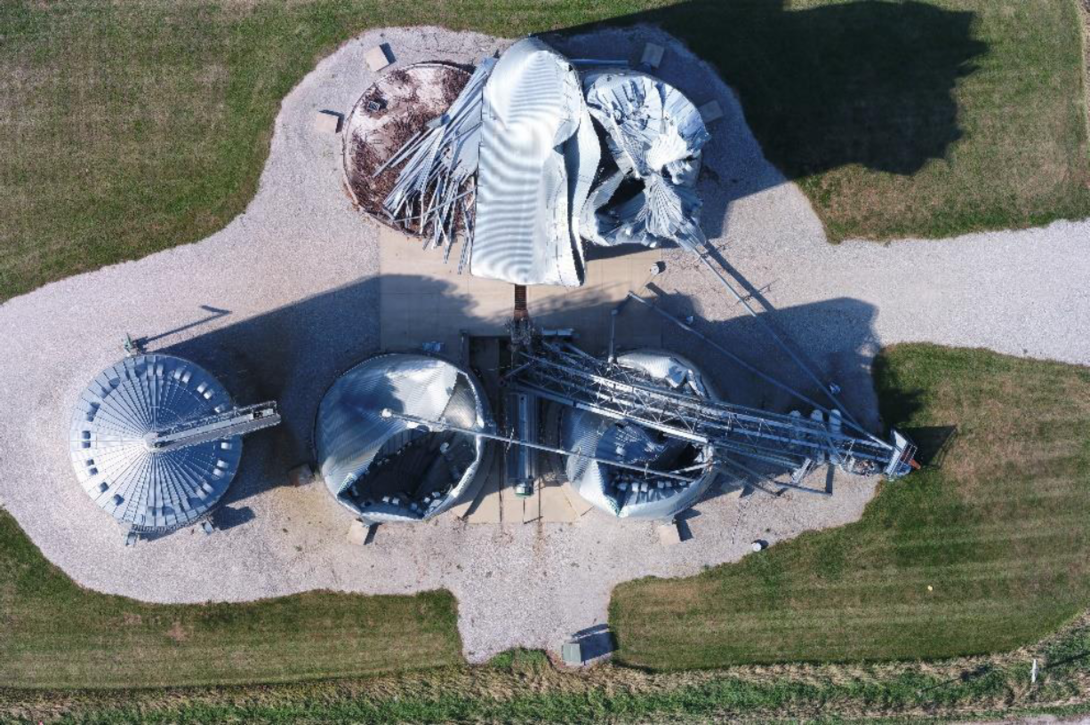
(539, 154)
(350, 432)
(438, 179)
(671, 368)
(652, 127)
(623, 493)
(655, 135)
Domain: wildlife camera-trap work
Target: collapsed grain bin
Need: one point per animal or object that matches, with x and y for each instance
(390, 114)
(629, 493)
(388, 470)
(643, 433)
(155, 442)
(527, 160)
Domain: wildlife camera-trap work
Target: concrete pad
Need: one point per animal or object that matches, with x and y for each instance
(652, 55)
(710, 111)
(577, 502)
(669, 534)
(357, 533)
(327, 122)
(572, 654)
(531, 506)
(424, 299)
(511, 506)
(378, 57)
(555, 508)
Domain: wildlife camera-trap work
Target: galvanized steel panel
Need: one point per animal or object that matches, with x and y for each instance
(151, 491)
(538, 157)
(351, 434)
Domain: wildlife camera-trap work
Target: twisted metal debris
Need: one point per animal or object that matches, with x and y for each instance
(385, 469)
(438, 181)
(514, 169)
(655, 136)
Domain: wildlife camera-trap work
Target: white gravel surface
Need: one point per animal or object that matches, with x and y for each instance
(297, 274)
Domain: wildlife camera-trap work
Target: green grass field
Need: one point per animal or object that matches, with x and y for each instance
(127, 128)
(53, 634)
(523, 687)
(1000, 530)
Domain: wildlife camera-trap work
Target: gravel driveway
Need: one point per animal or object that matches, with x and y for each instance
(284, 298)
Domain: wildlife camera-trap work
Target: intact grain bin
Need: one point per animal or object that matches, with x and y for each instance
(118, 416)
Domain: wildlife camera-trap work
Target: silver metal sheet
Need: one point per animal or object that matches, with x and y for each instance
(435, 186)
(622, 493)
(655, 135)
(353, 441)
(538, 157)
(151, 491)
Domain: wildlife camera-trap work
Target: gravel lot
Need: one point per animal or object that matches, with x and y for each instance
(296, 277)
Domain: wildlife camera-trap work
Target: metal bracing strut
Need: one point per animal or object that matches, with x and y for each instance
(442, 425)
(850, 422)
(826, 390)
(230, 423)
(570, 377)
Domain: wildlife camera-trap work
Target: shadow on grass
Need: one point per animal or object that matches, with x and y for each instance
(868, 83)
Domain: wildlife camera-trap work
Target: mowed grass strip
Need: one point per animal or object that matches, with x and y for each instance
(525, 687)
(54, 634)
(126, 128)
(1000, 531)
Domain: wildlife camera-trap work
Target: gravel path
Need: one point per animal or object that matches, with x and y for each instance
(296, 275)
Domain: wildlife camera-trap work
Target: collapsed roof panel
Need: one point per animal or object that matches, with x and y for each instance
(435, 187)
(655, 135)
(389, 122)
(529, 161)
(622, 492)
(386, 469)
(538, 157)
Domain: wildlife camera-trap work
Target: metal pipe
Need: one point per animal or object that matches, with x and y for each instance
(764, 376)
(772, 333)
(774, 482)
(441, 425)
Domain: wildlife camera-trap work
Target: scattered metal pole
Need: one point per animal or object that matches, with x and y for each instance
(772, 481)
(772, 333)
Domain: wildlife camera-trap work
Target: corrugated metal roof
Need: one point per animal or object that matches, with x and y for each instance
(539, 154)
(151, 491)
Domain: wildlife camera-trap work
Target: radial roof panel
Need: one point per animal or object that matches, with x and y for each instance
(151, 491)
